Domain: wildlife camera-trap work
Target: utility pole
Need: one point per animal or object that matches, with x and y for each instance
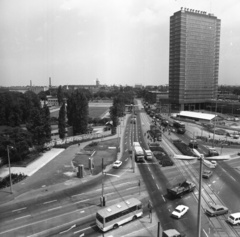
(103, 197)
(9, 167)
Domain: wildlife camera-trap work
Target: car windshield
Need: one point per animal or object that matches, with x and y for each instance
(213, 208)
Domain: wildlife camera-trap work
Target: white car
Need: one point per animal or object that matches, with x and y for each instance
(117, 164)
(179, 211)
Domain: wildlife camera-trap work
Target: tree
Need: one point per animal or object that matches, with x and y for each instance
(60, 95)
(61, 121)
(42, 95)
(20, 139)
(35, 126)
(77, 112)
(46, 123)
(39, 125)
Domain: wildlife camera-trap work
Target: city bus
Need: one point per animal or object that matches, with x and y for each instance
(178, 124)
(118, 214)
(180, 127)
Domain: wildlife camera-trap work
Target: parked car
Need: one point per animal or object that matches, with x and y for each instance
(207, 174)
(179, 211)
(216, 210)
(117, 164)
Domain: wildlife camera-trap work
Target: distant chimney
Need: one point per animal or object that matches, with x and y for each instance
(30, 83)
(50, 85)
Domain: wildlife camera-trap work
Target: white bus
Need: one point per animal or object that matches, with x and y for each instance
(114, 216)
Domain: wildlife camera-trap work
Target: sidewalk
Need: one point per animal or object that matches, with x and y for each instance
(35, 168)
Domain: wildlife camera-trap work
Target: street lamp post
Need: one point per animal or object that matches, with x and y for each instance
(103, 197)
(200, 198)
(214, 124)
(9, 167)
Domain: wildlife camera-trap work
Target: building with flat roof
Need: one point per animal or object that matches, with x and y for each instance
(197, 116)
(193, 58)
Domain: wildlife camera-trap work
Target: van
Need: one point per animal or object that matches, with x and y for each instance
(234, 218)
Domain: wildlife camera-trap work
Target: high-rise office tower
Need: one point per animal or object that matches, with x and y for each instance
(193, 58)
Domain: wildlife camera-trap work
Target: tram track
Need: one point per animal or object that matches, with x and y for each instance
(219, 224)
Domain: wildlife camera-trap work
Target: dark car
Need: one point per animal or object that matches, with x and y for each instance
(207, 174)
(193, 144)
(215, 210)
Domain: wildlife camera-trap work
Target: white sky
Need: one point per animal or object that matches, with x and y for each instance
(117, 41)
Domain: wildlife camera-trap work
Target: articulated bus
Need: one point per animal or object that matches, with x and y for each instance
(114, 216)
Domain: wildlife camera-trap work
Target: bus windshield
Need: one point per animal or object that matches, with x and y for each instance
(99, 218)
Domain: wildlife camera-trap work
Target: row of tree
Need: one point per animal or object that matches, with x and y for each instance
(118, 108)
(24, 124)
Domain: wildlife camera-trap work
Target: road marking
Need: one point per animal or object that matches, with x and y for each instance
(54, 208)
(19, 209)
(213, 181)
(130, 188)
(126, 159)
(82, 201)
(205, 232)
(157, 186)
(44, 220)
(49, 201)
(163, 198)
(22, 217)
(90, 227)
(73, 226)
(152, 177)
(232, 178)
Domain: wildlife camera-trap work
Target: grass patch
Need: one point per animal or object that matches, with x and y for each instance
(100, 151)
(94, 112)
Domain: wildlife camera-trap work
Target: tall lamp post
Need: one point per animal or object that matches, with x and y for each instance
(9, 167)
(215, 118)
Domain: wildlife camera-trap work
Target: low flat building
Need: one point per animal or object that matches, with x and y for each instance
(197, 116)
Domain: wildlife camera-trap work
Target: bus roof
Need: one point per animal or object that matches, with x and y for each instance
(136, 144)
(108, 211)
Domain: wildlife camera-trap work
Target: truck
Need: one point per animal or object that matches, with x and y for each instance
(212, 152)
(155, 132)
(172, 233)
(138, 151)
(182, 188)
(148, 154)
